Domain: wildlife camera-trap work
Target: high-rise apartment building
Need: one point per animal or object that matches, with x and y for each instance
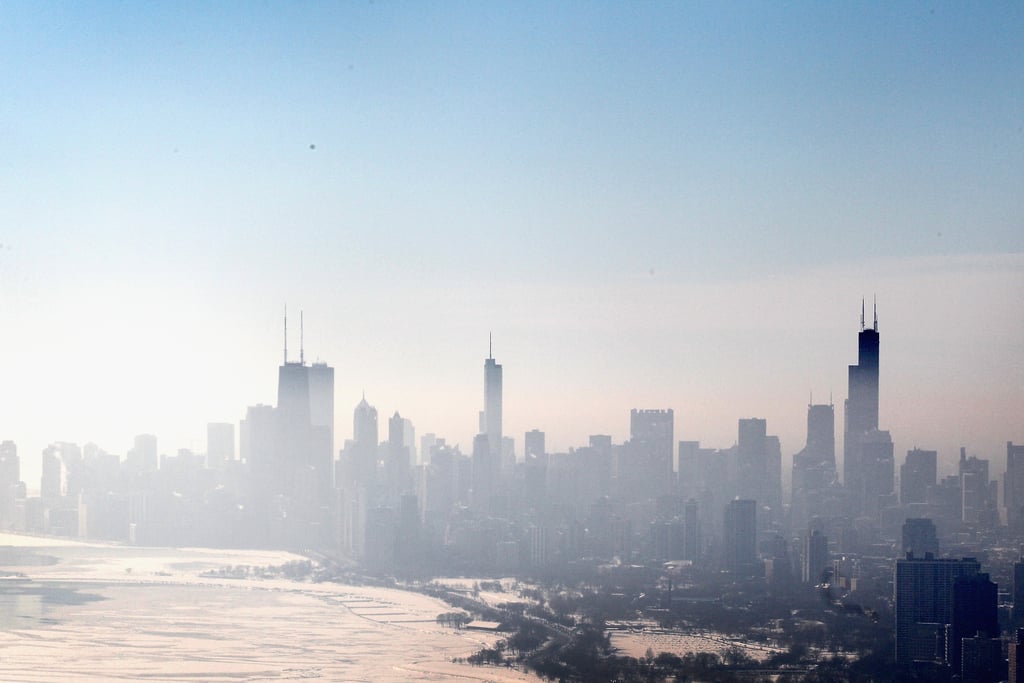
(923, 590)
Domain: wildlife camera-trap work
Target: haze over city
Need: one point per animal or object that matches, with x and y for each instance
(647, 205)
(493, 341)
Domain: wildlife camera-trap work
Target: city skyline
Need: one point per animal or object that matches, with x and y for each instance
(656, 206)
(790, 445)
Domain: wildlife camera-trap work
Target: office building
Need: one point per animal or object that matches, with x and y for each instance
(739, 538)
(220, 444)
(691, 529)
(492, 424)
(861, 410)
(920, 538)
(978, 493)
(533, 444)
(815, 557)
(645, 464)
(918, 474)
(814, 467)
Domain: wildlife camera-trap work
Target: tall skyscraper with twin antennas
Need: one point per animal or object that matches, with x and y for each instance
(305, 426)
(861, 406)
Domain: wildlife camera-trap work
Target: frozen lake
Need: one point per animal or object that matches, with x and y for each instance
(90, 612)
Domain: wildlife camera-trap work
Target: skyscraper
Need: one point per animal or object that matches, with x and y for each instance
(920, 538)
(758, 464)
(975, 611)
(492, 403)
(814, 468)
(1013, 486)
(220, 444)
(917, 474)
(740, 537)
(923, 590)
(861, 408)
(397, 465)
(361, 453)
(645, 466)
(305, 428)
(533, 444)
(815, 558)
(1018, 594)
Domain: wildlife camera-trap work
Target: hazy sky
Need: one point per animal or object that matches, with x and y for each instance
(649, 205)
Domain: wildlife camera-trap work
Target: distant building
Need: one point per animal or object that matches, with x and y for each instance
(920, 538)
(220, 444)
(978, 494)
(1013, 486)
(815, 557)
(645, 466)
(493, 404)
(533, 444)
(918, 474)
(877, 471)
(691, 524)
(143, 457)
(740, 537)
(814, 467)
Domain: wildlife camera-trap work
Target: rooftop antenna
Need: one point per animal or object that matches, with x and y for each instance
(302, 342)
(490, 346)
(862, 314)
(875, 305)
(286, 334)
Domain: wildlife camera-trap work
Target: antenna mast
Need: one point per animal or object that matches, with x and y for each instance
(862, 315)
(875, 305)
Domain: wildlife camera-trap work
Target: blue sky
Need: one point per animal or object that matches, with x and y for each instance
(594, 182)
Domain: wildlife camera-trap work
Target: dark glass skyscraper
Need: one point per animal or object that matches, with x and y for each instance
(861, 409)
(740, 538)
